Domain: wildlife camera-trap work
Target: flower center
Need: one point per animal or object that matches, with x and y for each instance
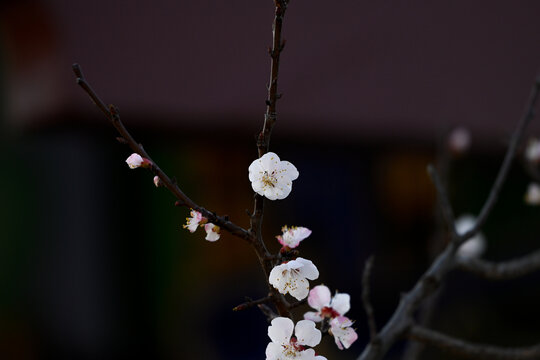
(293, 349)
(269, 179)
(329, 312)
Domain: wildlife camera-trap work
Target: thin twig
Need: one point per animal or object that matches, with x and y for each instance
(366, 301)
(470, 350)
(269, 313)
(251, 303)
(502, 270)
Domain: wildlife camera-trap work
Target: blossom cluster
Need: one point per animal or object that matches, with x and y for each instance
(272, 178)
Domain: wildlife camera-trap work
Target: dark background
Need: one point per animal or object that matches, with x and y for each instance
(94, 263)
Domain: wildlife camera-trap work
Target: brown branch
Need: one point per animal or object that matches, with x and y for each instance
(401, 320)
(470, 350)
(502, 270)
(263, 143)
(111, 112)
(365, 299)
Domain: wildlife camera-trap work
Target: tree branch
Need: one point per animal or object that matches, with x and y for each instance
(502, 270)
(251, 303)
(469, 350)
(401, 320)
(111, 112)
(365, 299)
(263, 143)
(506, 164)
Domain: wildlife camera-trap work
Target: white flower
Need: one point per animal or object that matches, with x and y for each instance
(459, 140)
(344, 334)
(212, 232)
(475, 246)
(532, 152)
(157, 181)
(292, 236)
(532, 196)
(271, 177)
(291, 277)
(286, 346)
(134, 161)
(193, 222)
(319, 299)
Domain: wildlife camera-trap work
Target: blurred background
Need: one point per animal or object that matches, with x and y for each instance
(94, 263)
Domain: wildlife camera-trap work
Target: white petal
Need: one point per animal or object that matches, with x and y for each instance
(344, 334)
(319, 297)
(345, 337)
(279, 276)
(255, 166)
(309, 270)
(270, 161)
(281, 330)
(299, 287)
(301, 233)
(289, 169)
(255, 170)
(212, 232)
(320, 357)
(282, 192)
(258, 187)
(313, 316)
(270, 193)
(308, 354)
(294, 264)
(306, 333)
(341, 303)
(273, 351)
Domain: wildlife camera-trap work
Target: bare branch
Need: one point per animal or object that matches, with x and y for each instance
(263, 143)
(365, 299)
(401, 320)
(269, 313)
(251, 303)
(507, 162)
(469, 350)
(111, 112)
(502, 270)
(297, 304)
